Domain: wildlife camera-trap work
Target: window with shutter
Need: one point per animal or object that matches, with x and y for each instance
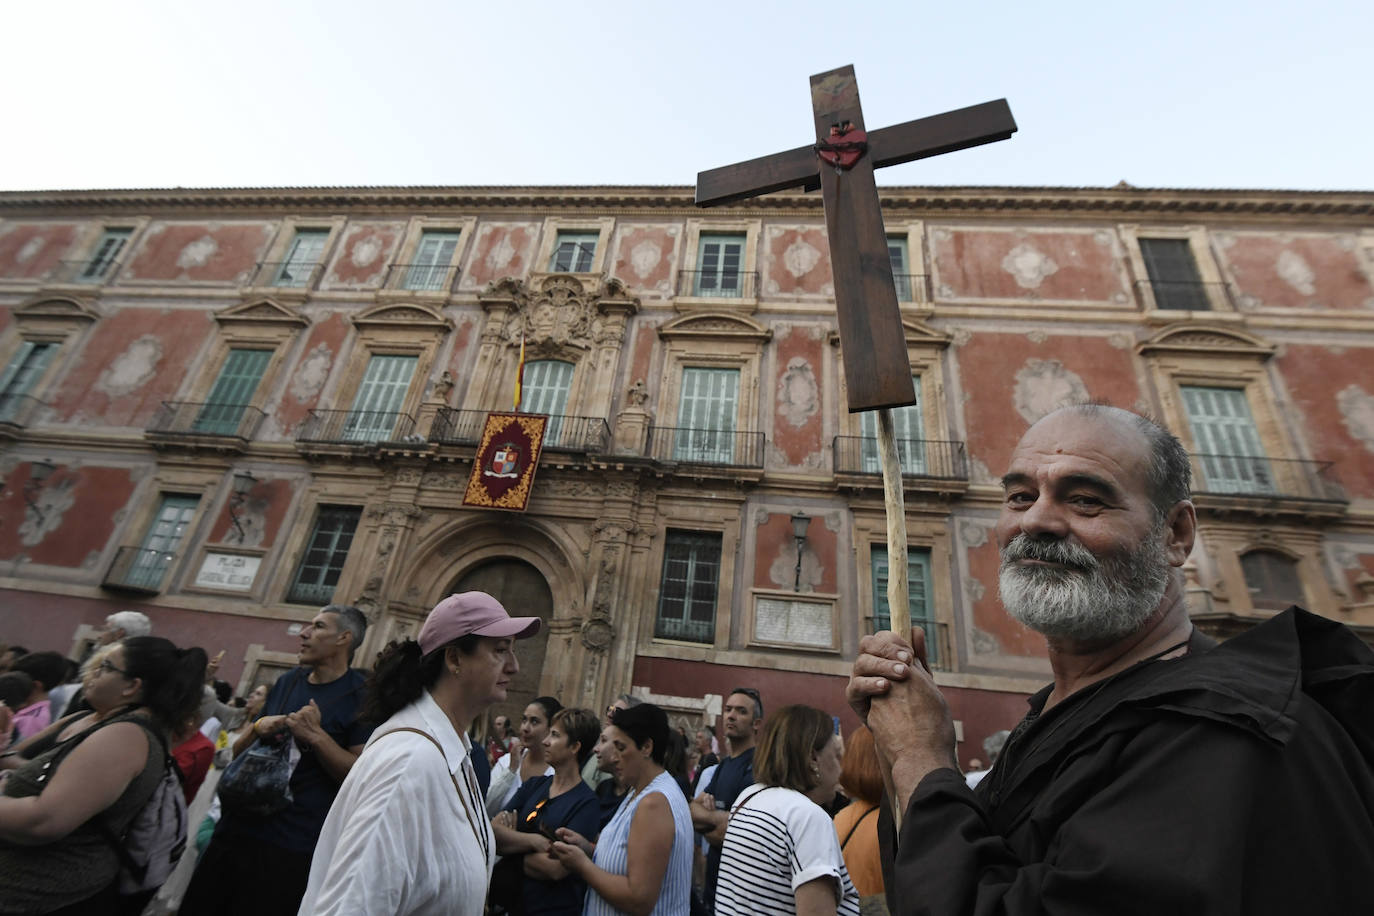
(1174, 276)
(304, 254)
(380, 396)
(901, 271)
(162, 541)
(720, 258)
(430, 264)
(20, 376)
(545, 390)
(1228, 447)
(1272, 579)
(573, 252)
(107, 251)
(906, 425)
(706, 415)
(232, 392)
(325, 553)
(690, 584)
(918, 590)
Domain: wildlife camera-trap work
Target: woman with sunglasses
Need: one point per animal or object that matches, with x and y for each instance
(532, 880)
(93, 769)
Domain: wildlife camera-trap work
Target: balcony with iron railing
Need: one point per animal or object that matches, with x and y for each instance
(419, 277)
(911, 287)
(590, 435)
(226, 427)
(17, 412)
(927, 464)
(1181, 295)
(288, 274)
(717, 284)
(1266, 485)
(138, 570)
(701, 448)
(332, 431)
(685, 629)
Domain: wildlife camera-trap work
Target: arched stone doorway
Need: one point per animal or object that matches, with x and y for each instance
(524, 593)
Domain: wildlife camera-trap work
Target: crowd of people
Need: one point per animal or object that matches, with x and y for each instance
(1159, 772)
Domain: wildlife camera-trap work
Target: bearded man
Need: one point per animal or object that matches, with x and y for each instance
(1159, 772)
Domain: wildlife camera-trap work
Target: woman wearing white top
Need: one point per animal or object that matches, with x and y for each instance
(781, 854)
(516, 768)
(642, 862)
(406, 833)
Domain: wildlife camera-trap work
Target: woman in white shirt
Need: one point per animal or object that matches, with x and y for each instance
(781, 854)
(407, 833)
(527, 761)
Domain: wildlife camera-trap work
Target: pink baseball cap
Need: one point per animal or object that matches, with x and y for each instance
(475, 613)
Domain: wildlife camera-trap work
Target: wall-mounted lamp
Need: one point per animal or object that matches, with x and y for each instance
(799, 525)
(39, 472)
(243, 482)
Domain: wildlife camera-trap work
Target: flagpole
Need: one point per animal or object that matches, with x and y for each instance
(520, 375)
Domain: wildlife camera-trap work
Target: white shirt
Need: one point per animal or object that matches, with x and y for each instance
(506, 781)
(776, 841)
(399, 839)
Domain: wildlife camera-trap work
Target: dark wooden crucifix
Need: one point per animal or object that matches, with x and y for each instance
(877, 368)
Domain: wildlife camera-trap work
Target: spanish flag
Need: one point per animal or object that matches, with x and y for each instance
(520, 374)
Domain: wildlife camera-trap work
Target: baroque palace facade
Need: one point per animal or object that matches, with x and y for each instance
(226, 408)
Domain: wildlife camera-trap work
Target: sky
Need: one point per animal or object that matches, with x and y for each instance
(154, 94)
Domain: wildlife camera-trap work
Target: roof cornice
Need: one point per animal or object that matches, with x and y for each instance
(952, 200)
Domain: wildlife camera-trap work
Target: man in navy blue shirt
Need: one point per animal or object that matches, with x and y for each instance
(259, 866)
(743, 714)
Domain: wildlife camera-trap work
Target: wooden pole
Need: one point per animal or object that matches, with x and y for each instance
(898, 588)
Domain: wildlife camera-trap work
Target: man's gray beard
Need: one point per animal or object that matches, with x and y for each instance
(1092, 600)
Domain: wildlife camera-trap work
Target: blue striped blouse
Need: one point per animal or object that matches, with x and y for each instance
(612, 851)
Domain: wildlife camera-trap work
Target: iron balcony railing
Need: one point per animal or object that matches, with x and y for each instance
(939, 458)
(685, 630)
(289, 274)
(724, 447)
(422, 277)
(591, 435)
(138, 570)
(311, 593)
(939, 649)
(192, 418)
(1183, 295)
(1246, 475)
(17, 410)
(87, 270)
(910, 287)
(355, 427)
(718, 284)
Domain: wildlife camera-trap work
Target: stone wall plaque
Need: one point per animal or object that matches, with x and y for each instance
(805, 623)
(228, 572)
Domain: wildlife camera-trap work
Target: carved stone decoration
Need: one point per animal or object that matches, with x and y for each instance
(984, 643)
(974, 588)
(131, 369)
(799, 396)
(598, 634)
(1357, 414)
(395, 514)
(782, 572)
(1043, 385)
(972, 533)
(1028, 266)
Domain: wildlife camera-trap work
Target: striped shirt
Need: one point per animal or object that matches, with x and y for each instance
(613, 851)
(776, 841)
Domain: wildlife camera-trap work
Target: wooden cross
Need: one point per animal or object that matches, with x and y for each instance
(877, 368)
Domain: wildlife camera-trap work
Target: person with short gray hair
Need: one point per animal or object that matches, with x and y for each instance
(124, 625)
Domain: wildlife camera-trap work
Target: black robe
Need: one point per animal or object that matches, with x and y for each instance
(1237, 779)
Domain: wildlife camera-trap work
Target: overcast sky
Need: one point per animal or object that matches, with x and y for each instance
(1198, 94)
